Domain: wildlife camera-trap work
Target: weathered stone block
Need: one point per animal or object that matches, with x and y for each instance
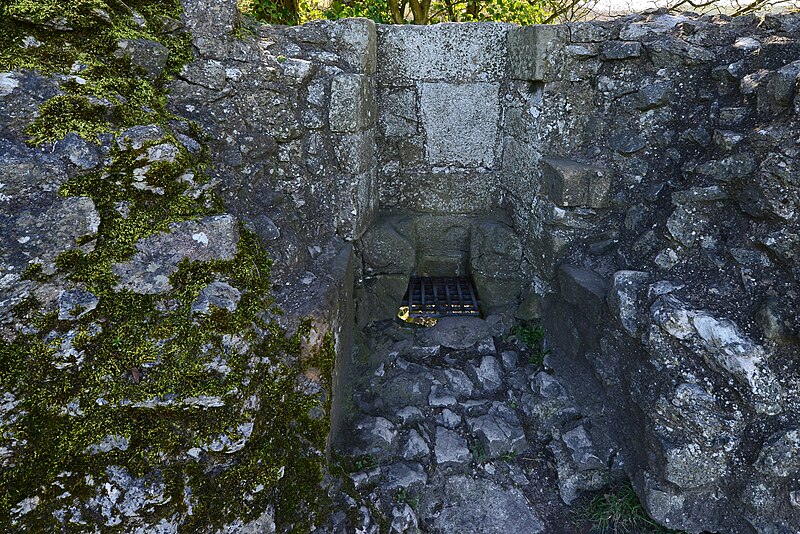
(144, 53)
(528, 50)
(157, 257)
(352, 103)
(627, 142)
(380, 298)
(584, 289)
(356, 152)
(653, 95)
(453, 263)
(442, 233)
(211, 19)
(386, 251)
(451, 449)
(458, 130)
(623, 298)
(359, 206)
(398, 111)
(496, 251)
(587, 32)
(621, 50)
(357, 43)
(473, 52)
(570, 183)
(497, 295)
(777, 93)
(671, 51)
(442, 192)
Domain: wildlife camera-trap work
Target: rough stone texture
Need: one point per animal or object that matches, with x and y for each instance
(712, 110)
(451, 449)
(484, 436)
(219, 295)
(499, 431)
(466, 137)
(158, 256)
(272, 157)
(352, 106)
(476, 52)
(467, 502)
(148, 55)
(455, 332)
(690, 372)
(569, 183)
(528, 50)
(437, 152)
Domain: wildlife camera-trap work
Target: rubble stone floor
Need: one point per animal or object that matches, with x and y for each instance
(454, 431)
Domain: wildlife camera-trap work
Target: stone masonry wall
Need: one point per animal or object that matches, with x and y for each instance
(648, 165)
(659, 187)
(440, 91)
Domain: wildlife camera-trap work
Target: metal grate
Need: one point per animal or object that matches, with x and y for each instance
(441, 297)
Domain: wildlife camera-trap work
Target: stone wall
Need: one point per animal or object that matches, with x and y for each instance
(650, 168)
(439, 112)
(665, 209)
(634, 183)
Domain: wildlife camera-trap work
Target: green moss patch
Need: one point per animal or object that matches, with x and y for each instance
(169, 389)
(104, 89)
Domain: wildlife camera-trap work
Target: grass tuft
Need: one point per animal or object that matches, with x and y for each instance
(617, 510)
(533, 338)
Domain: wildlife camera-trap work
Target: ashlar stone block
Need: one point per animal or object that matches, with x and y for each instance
(357, 40)
(570, 183)
(449, 51)
(528, 48)
(352, 103)
(460, 123)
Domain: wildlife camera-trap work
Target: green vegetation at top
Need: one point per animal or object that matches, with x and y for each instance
(521, 12)
(413, 11)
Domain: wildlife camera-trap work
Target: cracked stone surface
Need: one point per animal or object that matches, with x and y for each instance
(455, 441)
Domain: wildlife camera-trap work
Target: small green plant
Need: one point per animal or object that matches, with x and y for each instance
(508, 457)
(618, 511)
(403, 497)
(533, 338)
(478, 451)
(365, 462)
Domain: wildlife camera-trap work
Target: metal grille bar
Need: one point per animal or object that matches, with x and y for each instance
(441, 297)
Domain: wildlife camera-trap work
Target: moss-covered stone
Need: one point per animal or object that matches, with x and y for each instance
(210, 415)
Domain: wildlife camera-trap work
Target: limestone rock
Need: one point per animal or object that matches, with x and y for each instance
(467, 135)
(157, 257)
(621, 49)
(465, 503)
(75, 303)
(489, 374)
(455, 332)
(451, 449)
(406, 476)
(415, 447)
(144, 53)
(352, 103)
(499, 430)
(218, 294)
(570, 183)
